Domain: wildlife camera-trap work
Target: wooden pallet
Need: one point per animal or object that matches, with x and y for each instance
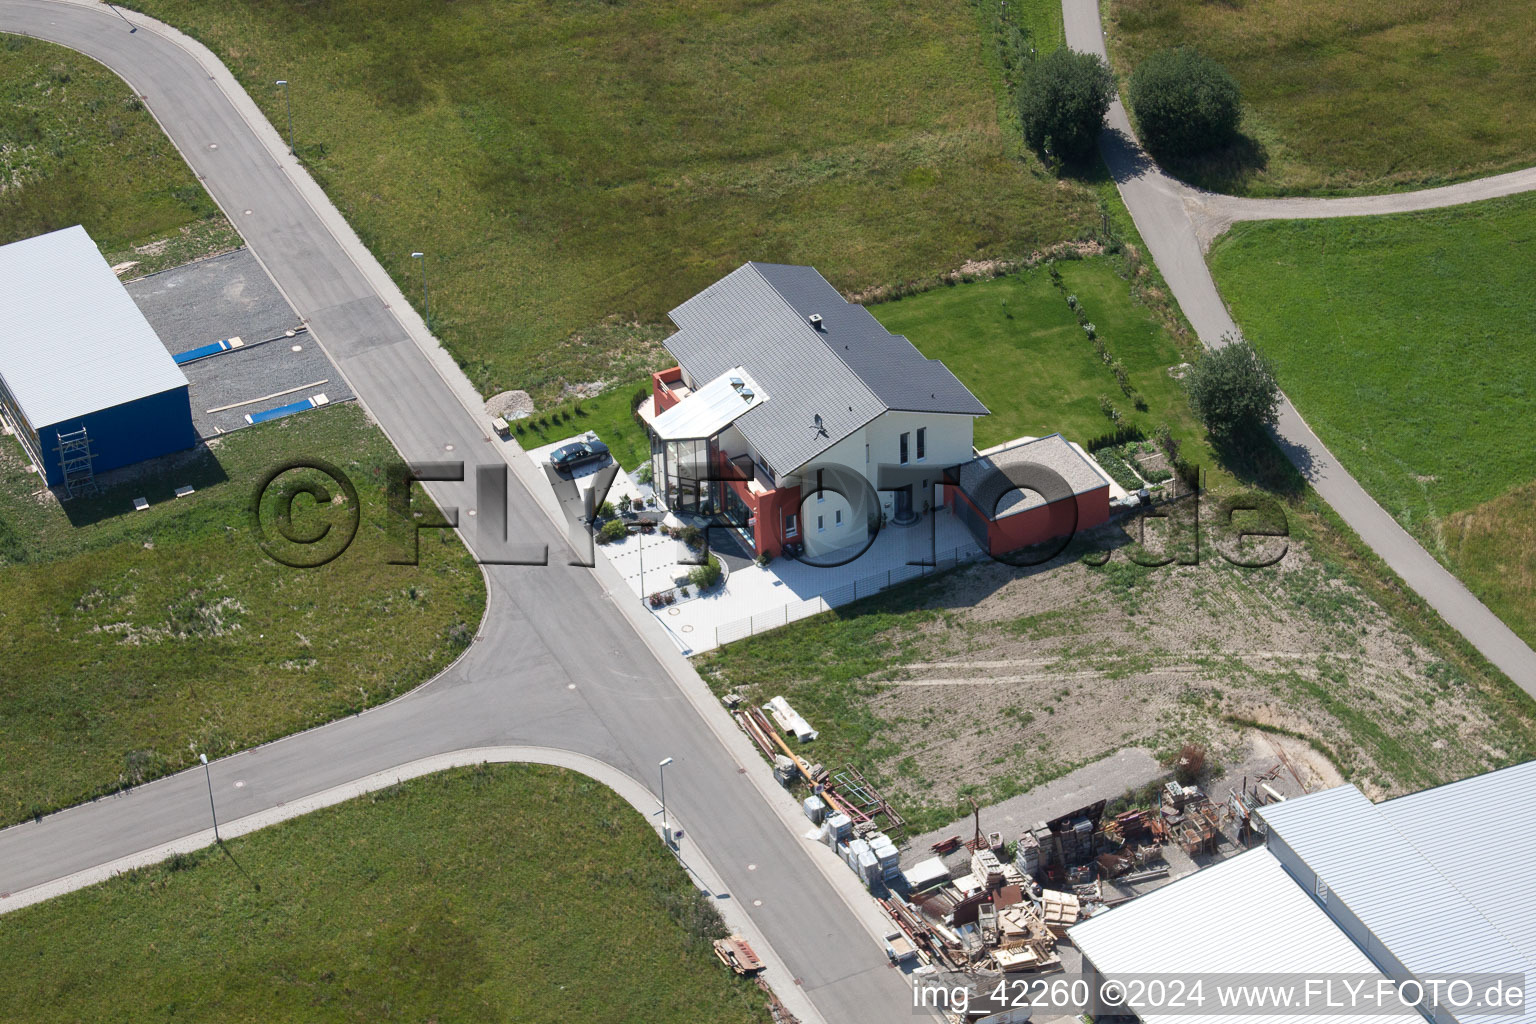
(737, 955)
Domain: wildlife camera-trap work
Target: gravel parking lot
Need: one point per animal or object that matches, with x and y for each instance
(231, 296)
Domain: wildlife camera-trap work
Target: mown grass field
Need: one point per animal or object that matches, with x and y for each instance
(564, 165)
(1408, 344)
(77, 147)
(1017, 345)
(1369, 96)
(133, 641)
(453, 897)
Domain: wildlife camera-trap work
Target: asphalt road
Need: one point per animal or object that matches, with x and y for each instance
(557, 663)
(1167, 213)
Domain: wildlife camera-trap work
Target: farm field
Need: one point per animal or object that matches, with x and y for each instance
(77, 147)
(136, 640)
(1372, 96)
(1407, 343)
(436, 899)
(576, 168)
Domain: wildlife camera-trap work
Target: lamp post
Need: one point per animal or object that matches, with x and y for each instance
(289, 106)
(426, 306)
(666, 830)
(211, 809)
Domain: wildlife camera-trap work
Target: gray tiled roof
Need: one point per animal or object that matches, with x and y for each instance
(847, 373)
(992, 481)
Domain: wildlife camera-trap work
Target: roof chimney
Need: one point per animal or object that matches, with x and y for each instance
(815, 319)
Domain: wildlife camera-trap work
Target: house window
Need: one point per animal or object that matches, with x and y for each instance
(791, 524)
(838, 518)
(866, 454)
(922, 443)
(821, 524)
(904, 438)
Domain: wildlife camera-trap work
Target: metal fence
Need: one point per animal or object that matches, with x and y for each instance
(838, 596)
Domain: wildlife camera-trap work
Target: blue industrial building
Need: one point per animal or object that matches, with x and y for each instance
(84, 381)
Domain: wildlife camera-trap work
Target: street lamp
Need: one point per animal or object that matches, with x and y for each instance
(289, 104)
(666, 831)
(212, 810)
(426, 306)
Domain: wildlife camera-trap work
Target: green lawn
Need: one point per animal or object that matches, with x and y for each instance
(135, 640)
(1017, 345)
(1408, 343)
(77, 147)
(562, 164)
(1367, 96)
(454, 897)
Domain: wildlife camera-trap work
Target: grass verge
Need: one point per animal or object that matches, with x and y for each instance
(609, 415)
(438, 899)
(135, 640)
(565, 164)
(1406, 341)
(1372, 96)
(78, 147)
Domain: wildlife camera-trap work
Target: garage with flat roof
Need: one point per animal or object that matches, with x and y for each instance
(85, 383)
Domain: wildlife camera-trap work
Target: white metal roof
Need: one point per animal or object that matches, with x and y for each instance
(710, 409)
(1497, 876)
(1242, 916)
(1417, 910)
(73, 341)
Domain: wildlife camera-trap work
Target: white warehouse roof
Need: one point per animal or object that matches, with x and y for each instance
(1420, 914)
(1243, 916)
(1441, 822)
(73, 341)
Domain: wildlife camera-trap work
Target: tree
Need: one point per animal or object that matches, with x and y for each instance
(1062, 100)
(1233, 390)
(1185, 102)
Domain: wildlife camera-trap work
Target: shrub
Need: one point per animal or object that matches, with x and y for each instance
(764, 558)
(613, 529)
(1233, 390)
(706, 575)
(1110, 412)
(692, 536)
(1185, 102)
(1091, 330)
(1189, 763)
(1062, 101)
(1168, 443)
(605, 510)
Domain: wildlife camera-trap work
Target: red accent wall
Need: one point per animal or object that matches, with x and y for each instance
(1042, 523)
(662, 400)
(766, 507)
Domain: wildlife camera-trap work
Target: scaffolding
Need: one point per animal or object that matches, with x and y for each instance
(75, 459)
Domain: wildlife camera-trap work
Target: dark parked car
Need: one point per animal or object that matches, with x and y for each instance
(579, 453)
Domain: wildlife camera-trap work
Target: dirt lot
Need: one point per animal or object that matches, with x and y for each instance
(995, 679)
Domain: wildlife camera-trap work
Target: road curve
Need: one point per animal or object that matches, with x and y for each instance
(1166, 213)
(557, 662)
(1214, 213)
(637, 796)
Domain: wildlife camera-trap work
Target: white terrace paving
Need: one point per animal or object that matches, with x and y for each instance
(756, 598)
